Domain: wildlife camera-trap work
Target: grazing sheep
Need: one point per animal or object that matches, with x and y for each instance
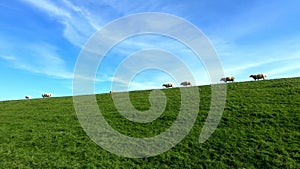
(186, 83)
(27, 97)
(259, 76)
(46, 95)
(226, 79)
(167, 85)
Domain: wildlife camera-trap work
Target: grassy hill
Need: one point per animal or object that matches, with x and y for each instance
(260, 128)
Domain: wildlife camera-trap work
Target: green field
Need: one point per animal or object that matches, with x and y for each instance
(260, 128)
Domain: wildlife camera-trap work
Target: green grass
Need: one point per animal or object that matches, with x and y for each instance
(260, 128)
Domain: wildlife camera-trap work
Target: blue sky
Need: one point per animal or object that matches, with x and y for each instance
(40, 41)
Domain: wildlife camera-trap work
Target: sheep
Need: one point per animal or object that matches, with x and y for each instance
(27, 97)
(259, 76)
(46, 95)
(186, 83)
(167, 85)
(226, 79)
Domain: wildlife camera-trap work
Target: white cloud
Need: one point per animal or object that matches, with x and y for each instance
(50, 8)
(288, 66)
(283, 70)
(8, 58)
(72, 6)
(77, 22)
(261, 57)
(39, 58)
(82, 19)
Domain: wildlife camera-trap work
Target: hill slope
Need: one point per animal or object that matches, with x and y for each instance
(260, 128)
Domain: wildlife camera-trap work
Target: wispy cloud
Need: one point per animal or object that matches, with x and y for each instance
(250, 65)
(290, 69)
(238, 34)
(39, 58)
(288, 66)
(82, 19)
(78, 25)
(263, 56)
(8, 58)
(256, 40)
(50, 8)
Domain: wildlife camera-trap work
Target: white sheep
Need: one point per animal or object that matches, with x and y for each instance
(167, 85)
(186, 83)
(46, 95)
(259, 76)
(226, 79)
